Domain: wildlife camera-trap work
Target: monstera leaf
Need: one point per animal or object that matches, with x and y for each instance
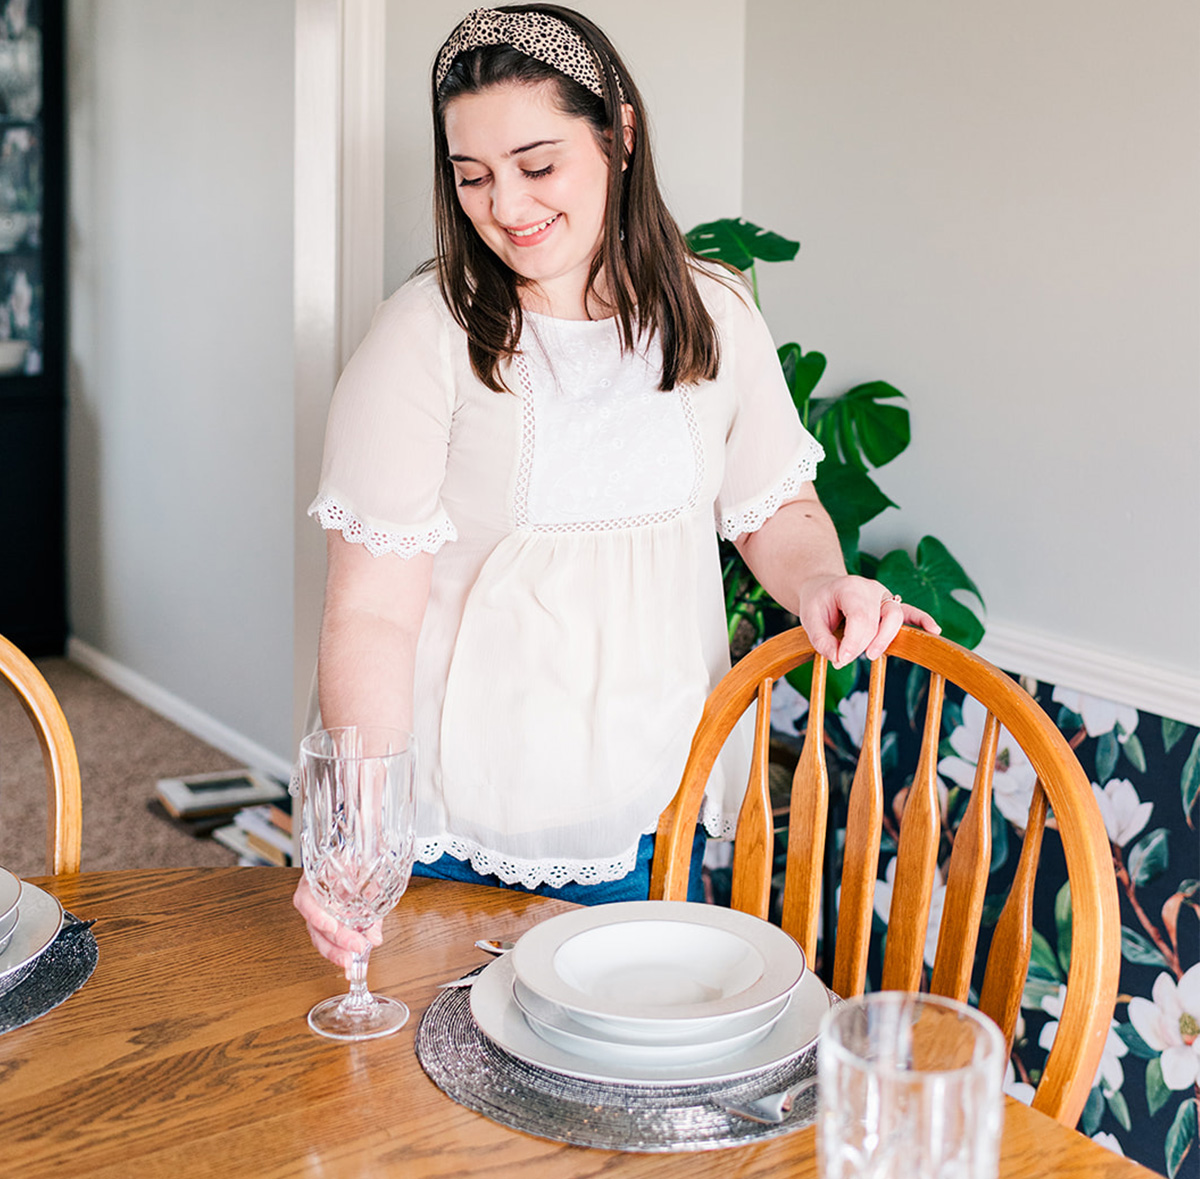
(740, 243)
(851, 497)
(802, 371)
(930, 583)
(859, 428)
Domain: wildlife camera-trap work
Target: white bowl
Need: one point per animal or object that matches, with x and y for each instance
(659, 971)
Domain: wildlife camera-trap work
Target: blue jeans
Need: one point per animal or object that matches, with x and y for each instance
(633, 887)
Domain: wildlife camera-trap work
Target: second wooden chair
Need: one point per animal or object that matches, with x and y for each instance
(1061, 787)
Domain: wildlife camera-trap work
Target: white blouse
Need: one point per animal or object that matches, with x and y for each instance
(576, 622)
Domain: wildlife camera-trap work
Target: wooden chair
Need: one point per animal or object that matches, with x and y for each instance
(64, 828)
(1095, 939)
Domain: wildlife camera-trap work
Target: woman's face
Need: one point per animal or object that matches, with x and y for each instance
(533, 182)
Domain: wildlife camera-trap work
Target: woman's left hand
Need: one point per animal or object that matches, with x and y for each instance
(871, 613)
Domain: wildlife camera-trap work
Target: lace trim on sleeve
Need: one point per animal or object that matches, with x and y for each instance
(753, 516)
(406, 544)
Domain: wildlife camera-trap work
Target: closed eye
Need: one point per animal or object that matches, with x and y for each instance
(540, 172)
(466, 182)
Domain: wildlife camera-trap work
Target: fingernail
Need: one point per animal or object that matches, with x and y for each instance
(376, 936)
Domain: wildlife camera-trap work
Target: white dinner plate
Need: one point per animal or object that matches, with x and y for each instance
(10, 893)
(655, 970)
(500, 1019)
(41, 919)
(563, 1032)
(653, 1034)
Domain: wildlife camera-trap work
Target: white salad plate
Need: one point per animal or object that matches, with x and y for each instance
(10, 893)
(659, 971)
(562, 1031)
(41, 919)
(498, 1016)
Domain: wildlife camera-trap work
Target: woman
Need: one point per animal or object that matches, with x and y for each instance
(524, 464)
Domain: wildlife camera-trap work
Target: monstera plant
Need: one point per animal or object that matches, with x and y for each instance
(861, 429)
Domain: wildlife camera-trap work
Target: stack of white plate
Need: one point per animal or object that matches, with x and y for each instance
(29, 921)
(650, 992)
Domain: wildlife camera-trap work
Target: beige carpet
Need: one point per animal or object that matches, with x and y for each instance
(123, 749)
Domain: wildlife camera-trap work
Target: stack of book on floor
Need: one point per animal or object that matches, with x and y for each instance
(243, 809)
(261, 835)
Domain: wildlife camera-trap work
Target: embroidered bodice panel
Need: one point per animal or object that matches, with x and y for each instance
(602, 446)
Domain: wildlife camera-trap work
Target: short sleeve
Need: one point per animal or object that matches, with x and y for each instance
(769, 455)
(388, 431)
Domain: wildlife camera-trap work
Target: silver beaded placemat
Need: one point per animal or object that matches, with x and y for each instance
(53, 977)
(479, 1074)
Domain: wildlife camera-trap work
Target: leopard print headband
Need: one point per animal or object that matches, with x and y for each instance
(536, 34)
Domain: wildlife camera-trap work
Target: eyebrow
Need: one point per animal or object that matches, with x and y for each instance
(516, 151)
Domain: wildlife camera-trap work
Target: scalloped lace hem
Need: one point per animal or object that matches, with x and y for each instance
(718, 824)
(752, 517)
(332, 514)
(528, 873)
(558, 873)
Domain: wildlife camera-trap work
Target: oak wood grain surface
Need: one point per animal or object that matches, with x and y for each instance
(187, 1052)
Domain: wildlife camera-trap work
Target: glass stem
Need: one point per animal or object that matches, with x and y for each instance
(359, 998)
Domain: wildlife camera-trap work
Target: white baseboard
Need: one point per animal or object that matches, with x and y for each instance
(1144, 686)
(180, 712)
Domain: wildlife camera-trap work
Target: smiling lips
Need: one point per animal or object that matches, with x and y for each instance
(531, 235)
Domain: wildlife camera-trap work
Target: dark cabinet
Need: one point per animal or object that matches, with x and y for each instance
(32, 324)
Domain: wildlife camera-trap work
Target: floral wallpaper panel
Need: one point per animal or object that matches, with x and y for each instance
(1145, 773)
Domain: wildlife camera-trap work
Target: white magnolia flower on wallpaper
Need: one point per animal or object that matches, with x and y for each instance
(1022, 1090)
(883, 905)
(1012, 785)
(1123, 811)
(1110, 1071)
(1171, 1025)
(1099, 716)
(853, 711)
(1109, 1141)
(21, 301)
(787, 708)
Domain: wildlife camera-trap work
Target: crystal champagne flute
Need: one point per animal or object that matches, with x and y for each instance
(356, 843)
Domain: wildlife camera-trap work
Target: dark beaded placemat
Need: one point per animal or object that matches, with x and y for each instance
(58, 972)
(479, 1074)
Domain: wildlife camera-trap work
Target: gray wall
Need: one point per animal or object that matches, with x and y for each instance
(180, 437)
(999, 207)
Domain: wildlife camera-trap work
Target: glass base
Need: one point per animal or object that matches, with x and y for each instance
(338, 1020)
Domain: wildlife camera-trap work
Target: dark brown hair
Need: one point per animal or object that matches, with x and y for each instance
(645, 258)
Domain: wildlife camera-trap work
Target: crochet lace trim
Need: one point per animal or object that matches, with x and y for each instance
(528, 873)
(558, 873)
(332, 514)
(753, 516)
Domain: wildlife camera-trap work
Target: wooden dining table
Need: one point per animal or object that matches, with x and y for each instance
(187, 1052)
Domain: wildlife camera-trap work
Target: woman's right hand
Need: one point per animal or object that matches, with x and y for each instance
(335, 941)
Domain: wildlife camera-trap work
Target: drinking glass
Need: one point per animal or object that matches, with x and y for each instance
(910, 1087)
(356, 843)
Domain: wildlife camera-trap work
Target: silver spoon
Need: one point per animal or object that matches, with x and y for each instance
(771, 1109)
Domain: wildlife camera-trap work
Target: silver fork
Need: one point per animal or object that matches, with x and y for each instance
(772, 1108)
